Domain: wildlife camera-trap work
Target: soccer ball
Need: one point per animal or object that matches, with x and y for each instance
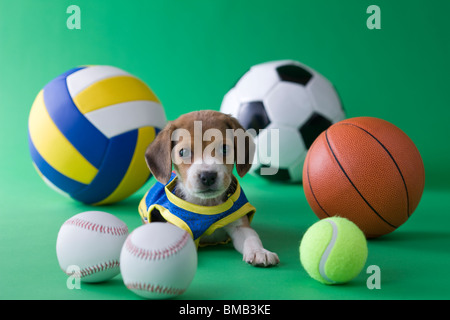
(292, 98)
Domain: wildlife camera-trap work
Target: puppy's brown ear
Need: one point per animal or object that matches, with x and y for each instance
(158, 155)
(244, 147)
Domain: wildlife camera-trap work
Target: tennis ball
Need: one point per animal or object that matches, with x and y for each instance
(333, 250)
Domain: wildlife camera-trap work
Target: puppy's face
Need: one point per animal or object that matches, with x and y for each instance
(204, 167)
(203, 148)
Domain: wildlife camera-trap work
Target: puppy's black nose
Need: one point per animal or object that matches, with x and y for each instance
(208, 177)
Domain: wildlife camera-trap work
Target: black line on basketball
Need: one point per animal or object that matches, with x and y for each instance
(310, 188)
(367, 202)
(390, 155)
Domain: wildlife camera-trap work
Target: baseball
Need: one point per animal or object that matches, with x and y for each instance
(158, 261)
(90, 242)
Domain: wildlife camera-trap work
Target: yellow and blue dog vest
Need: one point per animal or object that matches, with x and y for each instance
(195, 219)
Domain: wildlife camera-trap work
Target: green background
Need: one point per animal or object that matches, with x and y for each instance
(190, 53)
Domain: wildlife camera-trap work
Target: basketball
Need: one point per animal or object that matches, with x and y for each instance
(366, 170)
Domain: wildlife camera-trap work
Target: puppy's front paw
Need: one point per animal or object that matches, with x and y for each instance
(261, 258)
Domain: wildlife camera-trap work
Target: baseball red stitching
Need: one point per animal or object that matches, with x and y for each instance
(115, 231)
(95, 268)
(158, 253)
(155, 288)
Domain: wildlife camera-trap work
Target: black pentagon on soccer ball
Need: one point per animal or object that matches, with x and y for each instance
(312, 128)
(252, 115)
(293, 73)
(281, 175)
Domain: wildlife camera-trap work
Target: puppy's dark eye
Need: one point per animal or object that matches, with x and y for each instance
(225, 149)
(184, 153)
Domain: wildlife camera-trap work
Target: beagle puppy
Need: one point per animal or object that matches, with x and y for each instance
(201, 195)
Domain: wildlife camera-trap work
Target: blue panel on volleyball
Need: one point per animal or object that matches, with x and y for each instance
(117, 158)
(86, 138)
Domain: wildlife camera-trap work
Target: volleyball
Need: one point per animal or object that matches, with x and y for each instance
(88, 130)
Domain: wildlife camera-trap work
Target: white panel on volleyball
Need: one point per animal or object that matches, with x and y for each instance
(80, 80)
(127, 116)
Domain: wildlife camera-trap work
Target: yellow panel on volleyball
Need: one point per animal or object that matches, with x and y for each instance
(50, 142)
(112, 91)
(137, 172)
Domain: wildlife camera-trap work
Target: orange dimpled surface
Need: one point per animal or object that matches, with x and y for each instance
(367, 170)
